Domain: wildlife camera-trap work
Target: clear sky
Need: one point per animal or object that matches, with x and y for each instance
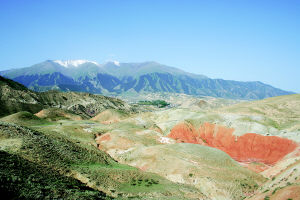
(246, 40)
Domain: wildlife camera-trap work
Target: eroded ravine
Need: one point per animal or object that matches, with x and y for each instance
(250, 147)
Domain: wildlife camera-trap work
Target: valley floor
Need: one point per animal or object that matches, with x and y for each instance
(248, 150)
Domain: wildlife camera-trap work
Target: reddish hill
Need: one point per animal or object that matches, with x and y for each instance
(249, 147)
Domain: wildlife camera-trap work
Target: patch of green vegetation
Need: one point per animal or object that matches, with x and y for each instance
(23, 179)
(76, 132)
(56, 114)
(274, 191)
(211, 118)
(267, 190)
(143, 185)
(95, 166)
(129, 126)
(272, 123)
(158, 103)
(267, 198)
(265, 122)
(247, 119)
(24, 118)
(252, 110)
(289, 123)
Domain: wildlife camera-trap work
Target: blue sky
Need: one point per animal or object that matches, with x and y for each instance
(244, 40)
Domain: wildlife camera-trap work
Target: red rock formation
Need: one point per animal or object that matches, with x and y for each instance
(185, 133)
(249, 147)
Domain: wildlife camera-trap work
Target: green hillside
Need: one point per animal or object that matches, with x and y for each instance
(95, 170)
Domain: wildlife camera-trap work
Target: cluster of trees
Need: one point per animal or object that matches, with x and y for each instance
(158, 103)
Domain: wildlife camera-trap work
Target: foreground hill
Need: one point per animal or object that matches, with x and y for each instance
(23, 179)
(132, 78)
(48, 164)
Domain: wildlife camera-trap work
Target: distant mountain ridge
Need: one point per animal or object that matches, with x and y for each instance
(116, 78)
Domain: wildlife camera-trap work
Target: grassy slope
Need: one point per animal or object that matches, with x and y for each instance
(99, 171)
(55, 114)
(23, 179)
(284, 184)
(24, 118)
(110, 115)
(282, 112)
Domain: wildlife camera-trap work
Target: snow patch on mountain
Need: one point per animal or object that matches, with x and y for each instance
(73, 63)
(116, 63)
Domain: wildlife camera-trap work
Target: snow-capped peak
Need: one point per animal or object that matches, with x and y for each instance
(116, 62)
(73, 63)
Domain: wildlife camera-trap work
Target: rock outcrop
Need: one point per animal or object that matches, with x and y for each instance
(250, 147)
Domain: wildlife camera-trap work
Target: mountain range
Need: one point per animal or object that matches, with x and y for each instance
(114, 78)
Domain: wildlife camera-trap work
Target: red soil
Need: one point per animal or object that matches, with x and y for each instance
(290, 192)
(143, 168)
(249, 147)
(256, 167)
(102, 138)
